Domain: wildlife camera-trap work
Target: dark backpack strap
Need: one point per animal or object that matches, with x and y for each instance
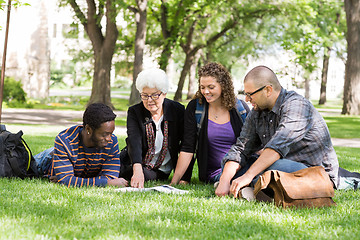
(29, 153)
(240, 110)
(199, 115)
(32, 168)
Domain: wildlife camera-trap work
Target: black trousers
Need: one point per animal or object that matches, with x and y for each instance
(127, 172)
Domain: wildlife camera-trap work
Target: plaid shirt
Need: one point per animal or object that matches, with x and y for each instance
(294, 129)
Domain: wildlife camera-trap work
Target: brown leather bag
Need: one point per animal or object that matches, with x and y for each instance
(309, 187)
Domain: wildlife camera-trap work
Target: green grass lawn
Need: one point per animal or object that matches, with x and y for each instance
(37, 209)
(343, 126)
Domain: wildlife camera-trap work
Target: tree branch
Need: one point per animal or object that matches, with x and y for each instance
(163, 19)
(111, 28)
(133, 9)
(100, 13)
(79, 14)
(189, 38)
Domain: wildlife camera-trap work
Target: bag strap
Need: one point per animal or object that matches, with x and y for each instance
(240, 110)
(31, 161)
(199, 115)
(28, 151)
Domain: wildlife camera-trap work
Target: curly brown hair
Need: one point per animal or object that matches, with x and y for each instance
(223, 77)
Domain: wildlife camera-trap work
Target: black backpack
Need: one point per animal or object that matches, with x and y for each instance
(16, 159)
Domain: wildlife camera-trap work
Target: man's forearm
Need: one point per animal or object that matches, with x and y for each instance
(265, 160)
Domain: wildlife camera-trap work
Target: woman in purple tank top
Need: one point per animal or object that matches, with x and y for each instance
(220, 127)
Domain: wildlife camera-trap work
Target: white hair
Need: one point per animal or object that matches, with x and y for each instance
(152, 78)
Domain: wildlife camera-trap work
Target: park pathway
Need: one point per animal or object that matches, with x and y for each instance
(40, 121)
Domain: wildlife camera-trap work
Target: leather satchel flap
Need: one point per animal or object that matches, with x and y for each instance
(312, 182)
(262, 182)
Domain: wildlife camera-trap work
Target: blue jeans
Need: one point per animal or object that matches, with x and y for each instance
(43, 160)
(216, 178)
(284, 165)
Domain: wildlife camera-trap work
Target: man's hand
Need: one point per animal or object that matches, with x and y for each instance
(238, 184)
(53, 179)
(119, 182)
(223, 189)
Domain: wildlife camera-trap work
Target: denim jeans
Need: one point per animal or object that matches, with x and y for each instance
(43, 160)
(284, 165)
(216, 178)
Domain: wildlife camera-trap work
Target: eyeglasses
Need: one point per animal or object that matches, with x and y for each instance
(154, 96)
(258, 90)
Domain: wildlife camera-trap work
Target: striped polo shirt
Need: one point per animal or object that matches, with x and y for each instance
(77, 165)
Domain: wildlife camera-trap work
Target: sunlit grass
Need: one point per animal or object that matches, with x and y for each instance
(37, 209)
(343, 126)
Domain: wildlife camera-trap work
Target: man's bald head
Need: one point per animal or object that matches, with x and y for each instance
(262, 75)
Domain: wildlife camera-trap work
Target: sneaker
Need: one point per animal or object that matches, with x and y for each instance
(216, 184)
(247, 193)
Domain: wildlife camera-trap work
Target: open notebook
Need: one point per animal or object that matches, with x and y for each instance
(163, 189)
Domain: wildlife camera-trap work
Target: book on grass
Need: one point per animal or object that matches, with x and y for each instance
(162, 189)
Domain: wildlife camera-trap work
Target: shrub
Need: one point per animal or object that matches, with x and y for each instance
(13, 93)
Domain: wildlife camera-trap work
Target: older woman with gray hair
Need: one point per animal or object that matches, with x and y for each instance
(155, 131)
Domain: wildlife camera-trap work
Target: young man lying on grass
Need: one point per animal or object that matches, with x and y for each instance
(88, 154)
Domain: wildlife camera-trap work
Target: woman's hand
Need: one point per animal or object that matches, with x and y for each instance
(137, 180)
(223, 189)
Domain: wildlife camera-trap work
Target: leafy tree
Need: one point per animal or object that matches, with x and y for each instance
(103, 41)
(352, 68)
(212, 21)
(171, 15)
(314, 27)
(140, 17)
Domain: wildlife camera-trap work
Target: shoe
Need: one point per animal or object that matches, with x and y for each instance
(247, 193)
(216, 184)
(262, 197)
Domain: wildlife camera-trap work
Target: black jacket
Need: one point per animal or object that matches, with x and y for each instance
(136, 141)
(190, 135)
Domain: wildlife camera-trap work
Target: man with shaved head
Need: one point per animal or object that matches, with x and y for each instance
(285, 126)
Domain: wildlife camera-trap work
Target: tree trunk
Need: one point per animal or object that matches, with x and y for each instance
(165, 55)
(184, 72)
(192, 77)
(100, 91)
(307, 88)
(104, 48)
(103, 45)
(141, 17)
(352, 68)
(324, 74)
(307, 84)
